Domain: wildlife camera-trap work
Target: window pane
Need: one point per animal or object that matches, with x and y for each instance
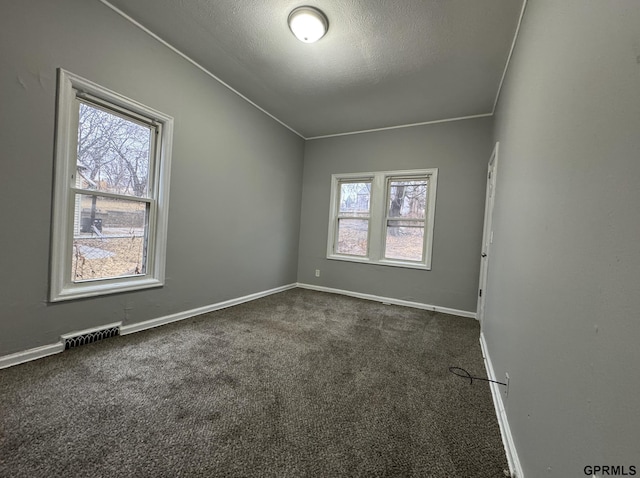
(113, 153)
(109, 238)
(352, 236)
(355, 198)
(405, 240)
(407, 198)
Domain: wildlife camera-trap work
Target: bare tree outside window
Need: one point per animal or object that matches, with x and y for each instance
(113, 152)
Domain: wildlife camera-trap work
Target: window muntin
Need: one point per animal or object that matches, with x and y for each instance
(111, 192)
(397, 225)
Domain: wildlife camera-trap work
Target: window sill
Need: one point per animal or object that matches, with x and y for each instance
(100, 288)
(382, 262)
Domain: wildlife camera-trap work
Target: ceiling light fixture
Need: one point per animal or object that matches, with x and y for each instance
(308, 24)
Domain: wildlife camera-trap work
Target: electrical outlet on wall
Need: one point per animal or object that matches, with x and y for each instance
(317, 272)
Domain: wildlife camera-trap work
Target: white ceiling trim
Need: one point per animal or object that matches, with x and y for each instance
(226, 85)
(194, 63)
(506, 66)
(447, 120)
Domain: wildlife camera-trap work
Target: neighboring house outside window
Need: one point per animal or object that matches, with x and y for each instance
(111, 192)
(383, 217)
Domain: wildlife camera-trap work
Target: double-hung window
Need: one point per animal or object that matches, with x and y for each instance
(111, 189)
(383, 217)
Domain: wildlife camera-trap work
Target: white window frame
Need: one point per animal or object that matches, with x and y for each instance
(71, 88)
(378, 216)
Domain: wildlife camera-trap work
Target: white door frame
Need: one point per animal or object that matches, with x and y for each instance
(487, 234)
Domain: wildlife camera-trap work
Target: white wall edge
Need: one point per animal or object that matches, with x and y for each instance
(390, 300)
(508, 62)
(507, 439)
(167, 319)
(410, 125)
(31, 354)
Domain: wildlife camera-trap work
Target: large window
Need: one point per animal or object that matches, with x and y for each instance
(110, 193)
(383, 217)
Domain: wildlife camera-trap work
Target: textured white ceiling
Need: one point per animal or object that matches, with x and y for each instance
(382, 63)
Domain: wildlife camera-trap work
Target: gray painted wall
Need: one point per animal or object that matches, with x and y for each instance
(460, 150)
(564, 280)
(220, 141)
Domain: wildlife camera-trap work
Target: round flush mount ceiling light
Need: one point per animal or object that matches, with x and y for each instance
(308, 24)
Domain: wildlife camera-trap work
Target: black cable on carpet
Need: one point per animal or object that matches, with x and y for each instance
(460, 372)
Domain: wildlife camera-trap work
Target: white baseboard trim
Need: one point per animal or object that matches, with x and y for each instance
(389, 300)
(507, 439)
(167, 319)
(46, 350)
(31, 354)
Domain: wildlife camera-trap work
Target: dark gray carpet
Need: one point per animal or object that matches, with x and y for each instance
(298, 384)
